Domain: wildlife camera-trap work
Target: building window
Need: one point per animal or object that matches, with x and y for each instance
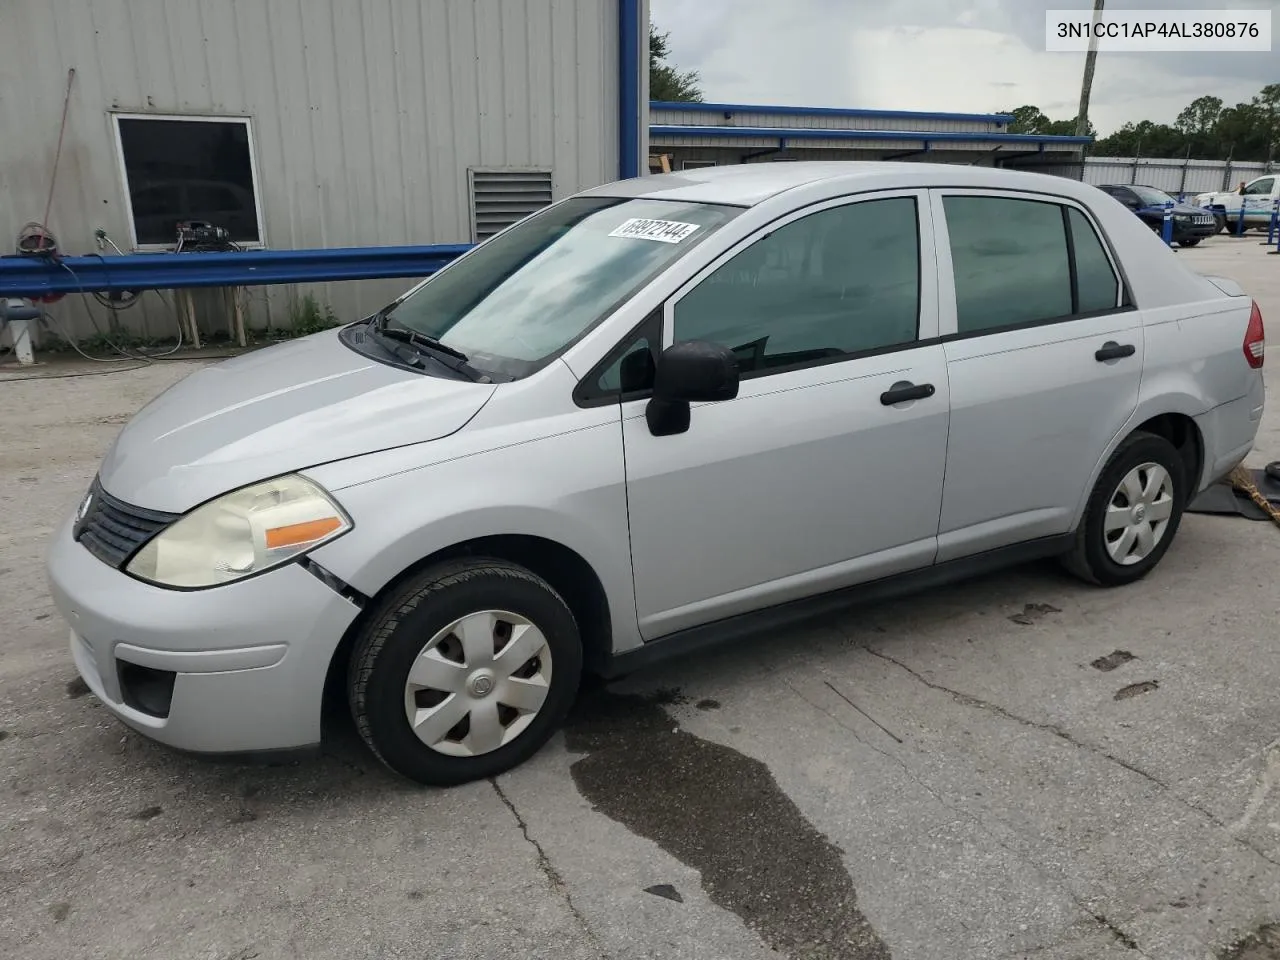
(501, 197)
(188, 168)
(696, 164)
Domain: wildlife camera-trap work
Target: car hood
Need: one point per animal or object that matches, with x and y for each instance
(1179, 210)
(283, 408)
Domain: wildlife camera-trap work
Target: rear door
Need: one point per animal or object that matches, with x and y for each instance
(1044, 360)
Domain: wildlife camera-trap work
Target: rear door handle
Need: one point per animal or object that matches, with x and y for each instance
(901, 392)
(1114, 351)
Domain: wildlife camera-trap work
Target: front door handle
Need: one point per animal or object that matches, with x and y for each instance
(1114, 351)
(906, 390)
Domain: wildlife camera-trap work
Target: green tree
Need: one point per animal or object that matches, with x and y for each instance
(1206, 129)
(1026, 119)
(1142, 139)
(1199, 117)
(666, 83)
(1030, 119)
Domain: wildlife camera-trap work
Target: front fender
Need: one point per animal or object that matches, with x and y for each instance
(569, 488)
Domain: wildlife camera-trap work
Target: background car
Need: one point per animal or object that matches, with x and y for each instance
(1190, 224)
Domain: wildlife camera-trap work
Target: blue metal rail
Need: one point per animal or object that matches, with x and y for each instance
(36, 277)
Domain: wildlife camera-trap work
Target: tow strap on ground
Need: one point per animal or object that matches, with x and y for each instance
(1254, 494)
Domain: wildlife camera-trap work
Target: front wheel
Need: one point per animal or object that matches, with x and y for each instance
(1132, 514)
(1188, 243)
(464, 672)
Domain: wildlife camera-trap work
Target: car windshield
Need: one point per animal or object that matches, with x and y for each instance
(516, 302)
(1152, 197)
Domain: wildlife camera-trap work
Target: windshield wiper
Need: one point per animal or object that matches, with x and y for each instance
(422, 340)
(434, 347)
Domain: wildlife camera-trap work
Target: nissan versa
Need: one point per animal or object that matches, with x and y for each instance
(659, 413)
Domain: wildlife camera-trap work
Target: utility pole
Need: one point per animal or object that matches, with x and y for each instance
(1082, 117)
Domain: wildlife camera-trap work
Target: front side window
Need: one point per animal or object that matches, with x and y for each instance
(180, 168)
(1013, 263)
(1261, 187)
(516, 302)
(843, 281)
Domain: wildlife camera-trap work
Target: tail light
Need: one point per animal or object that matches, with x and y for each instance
(1255, 339)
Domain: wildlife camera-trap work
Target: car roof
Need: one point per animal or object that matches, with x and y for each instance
(748, 184)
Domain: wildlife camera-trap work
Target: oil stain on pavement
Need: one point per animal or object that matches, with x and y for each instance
(720, 813)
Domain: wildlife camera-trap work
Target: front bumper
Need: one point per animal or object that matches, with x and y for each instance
(1193, 231)
(248, 659)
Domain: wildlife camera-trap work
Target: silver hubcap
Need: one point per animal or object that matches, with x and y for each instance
(1138, 513)
(478, 683)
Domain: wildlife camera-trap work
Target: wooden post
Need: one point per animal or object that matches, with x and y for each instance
(239, 316)
(193, 329)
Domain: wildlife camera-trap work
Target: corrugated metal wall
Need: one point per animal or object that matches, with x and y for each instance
(366, 114)
(1200, 176)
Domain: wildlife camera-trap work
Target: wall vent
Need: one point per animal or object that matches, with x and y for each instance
(500, 197)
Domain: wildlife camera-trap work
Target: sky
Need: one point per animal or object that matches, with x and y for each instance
(966, 56)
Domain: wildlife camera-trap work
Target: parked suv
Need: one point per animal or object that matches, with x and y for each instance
(1190, 224)
(664, 412)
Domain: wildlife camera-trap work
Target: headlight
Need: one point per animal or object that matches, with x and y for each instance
(241, 533)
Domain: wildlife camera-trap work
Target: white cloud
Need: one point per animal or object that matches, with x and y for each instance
(972, 56)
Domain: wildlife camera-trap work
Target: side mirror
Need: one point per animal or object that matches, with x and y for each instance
(693, 371)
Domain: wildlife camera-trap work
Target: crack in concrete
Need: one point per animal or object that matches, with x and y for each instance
(1267, 780)
(889, 733)
(976, 702)
(554, 879)
(973, 818)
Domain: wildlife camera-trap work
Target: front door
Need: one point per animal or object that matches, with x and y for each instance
(1259, 196)
(814, 477)
(1044, 358)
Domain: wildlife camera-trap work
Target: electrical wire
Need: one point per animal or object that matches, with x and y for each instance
(46, 247)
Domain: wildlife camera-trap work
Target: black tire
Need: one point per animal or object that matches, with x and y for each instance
(1188, 243)
(409, 617)
(1221, 220)
(1088, 558)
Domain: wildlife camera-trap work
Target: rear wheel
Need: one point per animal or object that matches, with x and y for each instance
(465, 672)
(1132, 514)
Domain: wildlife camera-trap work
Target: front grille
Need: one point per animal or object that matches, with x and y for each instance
(112, 530)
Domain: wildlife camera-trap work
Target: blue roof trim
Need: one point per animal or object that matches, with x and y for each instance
(800, 133)
(630, 119)
(687, 107)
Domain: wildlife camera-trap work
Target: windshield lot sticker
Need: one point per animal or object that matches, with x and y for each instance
(664, 231)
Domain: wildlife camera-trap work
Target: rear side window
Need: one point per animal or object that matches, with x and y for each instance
(1016, 263)
(1096, 282)
(1010, 261)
